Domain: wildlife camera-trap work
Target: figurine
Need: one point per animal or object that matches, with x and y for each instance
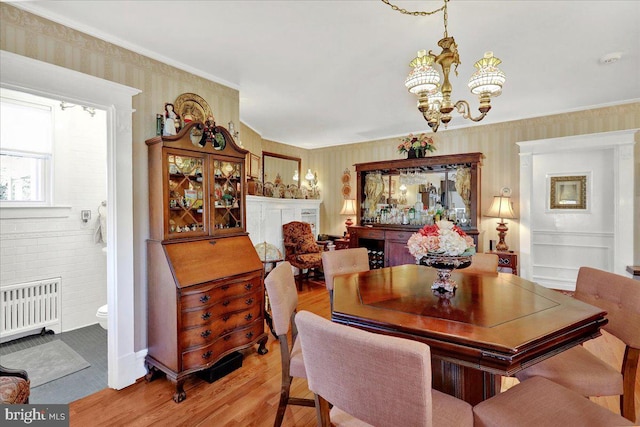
(171, 122)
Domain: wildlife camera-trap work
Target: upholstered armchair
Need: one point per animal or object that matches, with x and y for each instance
(301, 249)
(14, 386)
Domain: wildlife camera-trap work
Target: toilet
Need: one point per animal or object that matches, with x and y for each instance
(102, 314)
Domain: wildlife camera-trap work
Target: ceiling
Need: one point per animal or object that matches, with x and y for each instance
(321, 73)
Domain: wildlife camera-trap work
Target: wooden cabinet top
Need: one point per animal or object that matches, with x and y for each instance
(196, 136)
(427, 164)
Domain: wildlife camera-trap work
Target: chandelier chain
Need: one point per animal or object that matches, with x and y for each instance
(416, 13)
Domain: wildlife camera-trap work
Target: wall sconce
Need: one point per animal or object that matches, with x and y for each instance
(403, 194)
(502, 208)
(348, 208)
(310, 177)
(295, 176)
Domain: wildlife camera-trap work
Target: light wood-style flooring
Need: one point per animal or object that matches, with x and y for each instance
(248, 396)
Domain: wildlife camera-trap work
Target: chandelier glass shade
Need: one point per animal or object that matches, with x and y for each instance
(432, 86)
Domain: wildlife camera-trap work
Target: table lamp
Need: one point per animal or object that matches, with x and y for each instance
(348, 208)
(501, 208)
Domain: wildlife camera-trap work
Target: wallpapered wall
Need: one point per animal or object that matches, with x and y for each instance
(500, 166)
(26, 34)
(32, 36)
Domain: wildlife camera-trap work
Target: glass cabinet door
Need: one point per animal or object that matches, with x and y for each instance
(227, 196)
(186, 207)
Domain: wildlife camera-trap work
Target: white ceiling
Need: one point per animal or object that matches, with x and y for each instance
(321, 73)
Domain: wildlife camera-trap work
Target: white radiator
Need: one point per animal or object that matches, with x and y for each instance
(29, 307)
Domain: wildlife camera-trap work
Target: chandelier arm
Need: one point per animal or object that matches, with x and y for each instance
(433, 122)
(463, 108)
(414, 13)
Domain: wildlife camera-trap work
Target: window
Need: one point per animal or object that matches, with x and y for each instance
(26, 146)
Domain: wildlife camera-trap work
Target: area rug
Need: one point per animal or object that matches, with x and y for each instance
(46, 362)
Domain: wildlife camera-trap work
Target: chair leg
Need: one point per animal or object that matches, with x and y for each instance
(629, 371)
(284, 398)
(322, 412)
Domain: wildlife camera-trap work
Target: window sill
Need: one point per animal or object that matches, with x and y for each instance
(26, 212)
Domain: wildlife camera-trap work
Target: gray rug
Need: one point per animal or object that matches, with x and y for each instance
(46, 362)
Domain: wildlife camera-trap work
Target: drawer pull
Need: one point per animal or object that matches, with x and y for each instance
(248, 316)
(206, 333)
(249, 335)
(248, 286)
(206, 316)
(224, 287)
(249, 301)
(226, 317)
(204, 298)
(226, 303)
(207, 355)
(227, 338)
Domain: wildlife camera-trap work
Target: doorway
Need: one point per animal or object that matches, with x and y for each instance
(44, 79)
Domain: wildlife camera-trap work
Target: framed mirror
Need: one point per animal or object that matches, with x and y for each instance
(280, 169)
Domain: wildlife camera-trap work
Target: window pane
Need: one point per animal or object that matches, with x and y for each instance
(21, 178)
(25, 126)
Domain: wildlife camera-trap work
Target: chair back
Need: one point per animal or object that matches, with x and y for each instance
(345, 261)
(483, 263)
(283, 296)
(618, 295)
(381, 380)
(298, 239)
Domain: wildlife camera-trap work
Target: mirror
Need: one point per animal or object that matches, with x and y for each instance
(278, 168)
(425, 191)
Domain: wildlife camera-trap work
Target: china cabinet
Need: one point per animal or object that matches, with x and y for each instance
(396, 198)
(205, 290)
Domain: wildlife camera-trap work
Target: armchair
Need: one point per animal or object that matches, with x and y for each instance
(14, 386)
(301, 249)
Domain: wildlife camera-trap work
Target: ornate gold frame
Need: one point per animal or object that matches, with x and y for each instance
(568, 192)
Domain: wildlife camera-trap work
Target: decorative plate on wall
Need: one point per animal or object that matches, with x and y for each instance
(192, 108)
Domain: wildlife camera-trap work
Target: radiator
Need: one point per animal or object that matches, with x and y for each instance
(30, 307)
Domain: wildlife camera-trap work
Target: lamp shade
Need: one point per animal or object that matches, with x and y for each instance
(309, 176)
(501, 208)
(348, 207)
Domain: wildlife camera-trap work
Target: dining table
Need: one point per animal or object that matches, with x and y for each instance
(494, 324)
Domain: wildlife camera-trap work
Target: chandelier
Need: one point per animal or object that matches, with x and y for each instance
(434, 97)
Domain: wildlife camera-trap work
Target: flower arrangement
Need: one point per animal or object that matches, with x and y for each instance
(420, 143)
(442, 238)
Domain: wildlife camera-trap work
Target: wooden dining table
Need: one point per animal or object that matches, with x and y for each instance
(495, 324)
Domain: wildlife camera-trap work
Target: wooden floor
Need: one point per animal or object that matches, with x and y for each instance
(248, 396)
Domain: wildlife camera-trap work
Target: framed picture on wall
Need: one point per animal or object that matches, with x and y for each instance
(568, 192)
(254, 166)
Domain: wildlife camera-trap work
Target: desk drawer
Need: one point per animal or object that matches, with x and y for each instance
(206, 315)
(399, 235)
(225, 324)
(207, 294)
(205, 355)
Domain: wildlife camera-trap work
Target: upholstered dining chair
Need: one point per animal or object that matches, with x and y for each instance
(483, 263)
(376, 379)
(281, 289)
(301, 249)
(581, 370)
(14, 386)
(345, 261)
(541, 402)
